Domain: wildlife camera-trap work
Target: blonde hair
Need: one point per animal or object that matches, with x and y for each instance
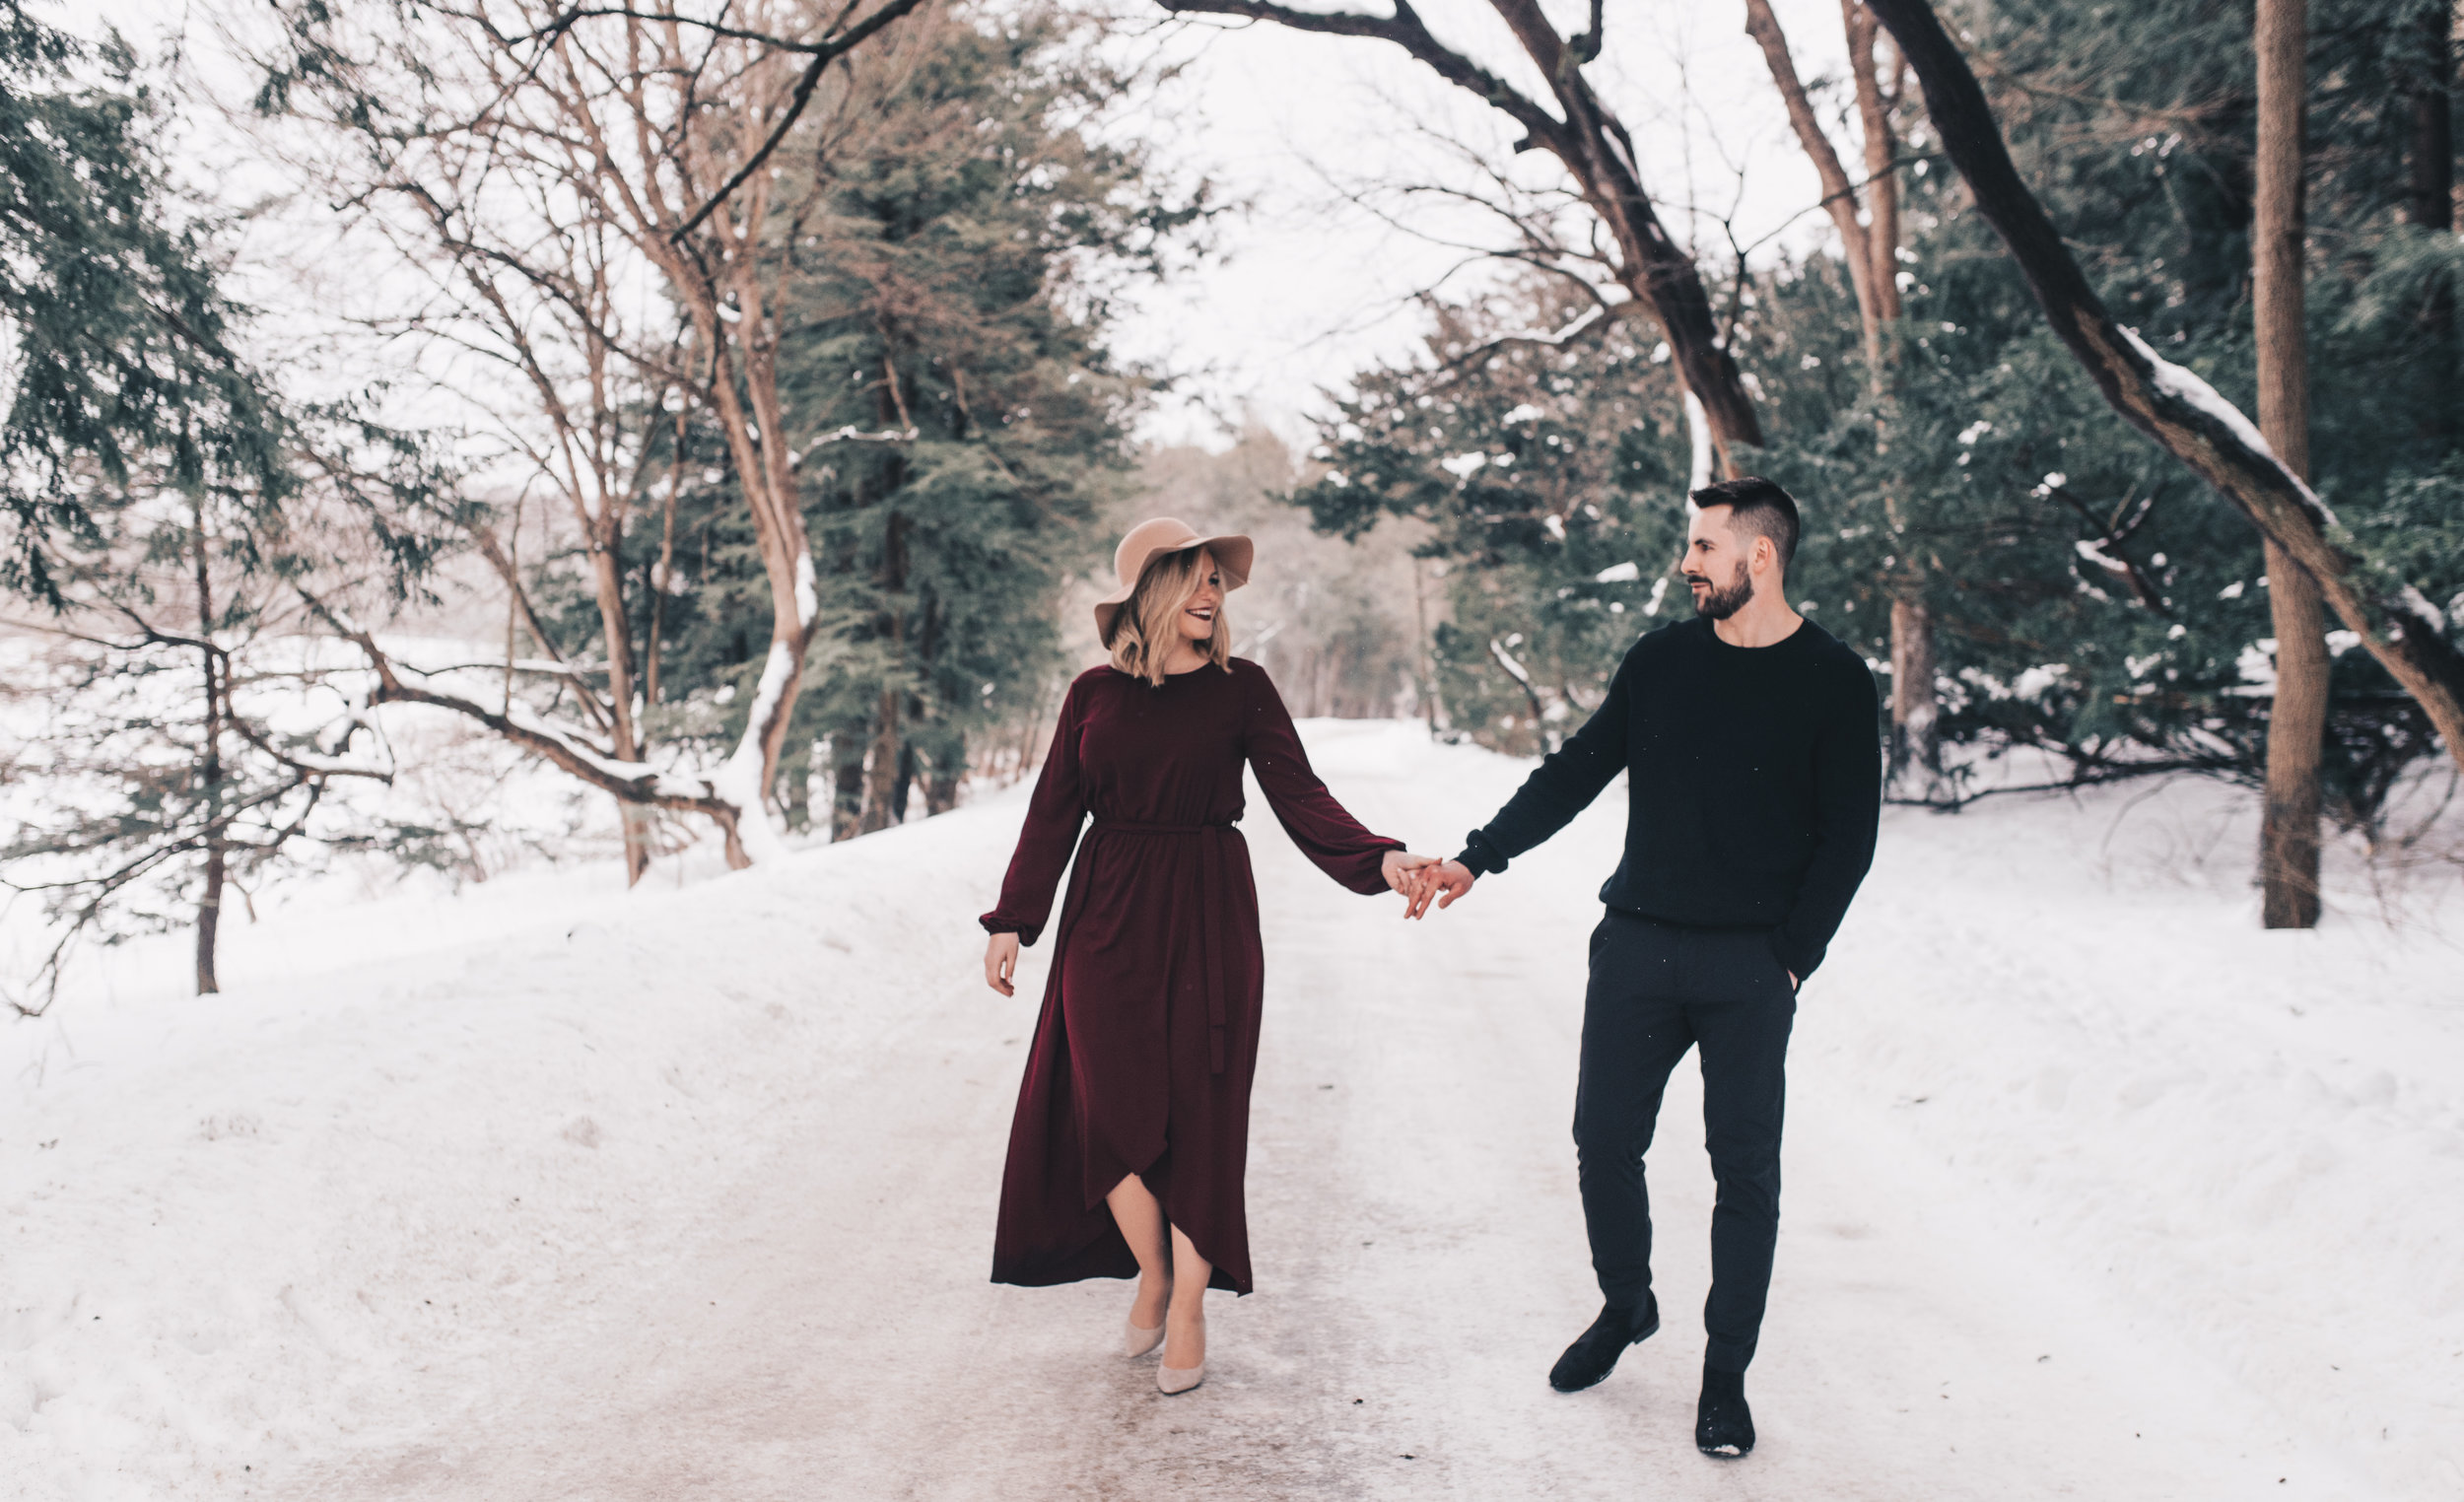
(1149, 622)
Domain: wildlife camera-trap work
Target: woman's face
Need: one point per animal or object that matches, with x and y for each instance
(1198, 611)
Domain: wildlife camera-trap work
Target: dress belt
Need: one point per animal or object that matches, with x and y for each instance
(1159, 829)
(1211, 927)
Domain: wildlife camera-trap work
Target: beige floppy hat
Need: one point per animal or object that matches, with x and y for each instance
(1151, 539)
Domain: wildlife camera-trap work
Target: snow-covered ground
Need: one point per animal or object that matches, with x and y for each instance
(550, 1190)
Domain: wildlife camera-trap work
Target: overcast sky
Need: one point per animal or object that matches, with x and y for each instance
(1309, 286)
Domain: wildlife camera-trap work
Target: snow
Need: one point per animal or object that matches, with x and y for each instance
(1506, 660)
(739, 779)
(1699, 430)
(808, 597)
(2419, 603)
(2190, 387)
(2094, 1188)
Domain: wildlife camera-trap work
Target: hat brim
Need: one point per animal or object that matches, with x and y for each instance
(1234, 554)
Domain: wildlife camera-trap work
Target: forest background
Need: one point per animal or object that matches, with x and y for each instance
(447, 437)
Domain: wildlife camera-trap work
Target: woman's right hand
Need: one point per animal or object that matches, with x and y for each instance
(1000, 962)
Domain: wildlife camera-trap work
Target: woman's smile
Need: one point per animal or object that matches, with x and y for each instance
(1198, 616)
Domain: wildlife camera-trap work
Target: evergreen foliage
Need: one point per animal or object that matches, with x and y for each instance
(119, 358)
(955, 259)
(160, 502)
(1538, 469)
(2090, 595)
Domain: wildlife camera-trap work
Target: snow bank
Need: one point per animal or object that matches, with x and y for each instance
(312, 1216)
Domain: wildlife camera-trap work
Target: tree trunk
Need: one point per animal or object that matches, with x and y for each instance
(847, 781)
(2169, 404)
(210, 919)
(1839, 195)
(209, 763)
(1882, 151)
(947, 772)
(633, 818)
(881, 769)
(796, 783)
(1870, 248)
(664, 573)
(1915, 741)
(635, 822)
(2296, 726)
(2432, 203)
(905, 782)
(2297, 723)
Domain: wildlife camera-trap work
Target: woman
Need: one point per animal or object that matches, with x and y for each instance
(1132, 1123)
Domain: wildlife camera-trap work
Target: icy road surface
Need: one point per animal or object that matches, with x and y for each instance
(2093, 1190)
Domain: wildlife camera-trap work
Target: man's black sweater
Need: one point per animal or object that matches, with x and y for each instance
(1753, 785)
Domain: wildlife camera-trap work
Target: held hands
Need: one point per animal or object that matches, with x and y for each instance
(1450, 879)
(1421, 879)
(1406, 873)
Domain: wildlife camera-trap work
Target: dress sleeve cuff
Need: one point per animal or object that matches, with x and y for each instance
(995, 923)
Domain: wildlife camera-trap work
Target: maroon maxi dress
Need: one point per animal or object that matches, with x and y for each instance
(1149, 1038)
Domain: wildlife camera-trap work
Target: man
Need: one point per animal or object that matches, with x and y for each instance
(1754, 782)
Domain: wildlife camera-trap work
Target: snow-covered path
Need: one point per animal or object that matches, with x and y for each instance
(751, 1259)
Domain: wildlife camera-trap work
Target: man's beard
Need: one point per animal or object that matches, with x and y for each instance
(1719, 605)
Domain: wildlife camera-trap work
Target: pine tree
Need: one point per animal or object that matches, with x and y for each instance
(954, 259)
(122, 357)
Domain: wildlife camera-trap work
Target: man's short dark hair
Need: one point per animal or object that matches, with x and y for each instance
(1758, 507)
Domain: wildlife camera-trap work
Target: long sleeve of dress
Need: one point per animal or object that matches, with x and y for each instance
(1317, 824)
(1053, 816)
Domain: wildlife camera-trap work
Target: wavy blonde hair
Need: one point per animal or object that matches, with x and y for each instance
(1149, 622)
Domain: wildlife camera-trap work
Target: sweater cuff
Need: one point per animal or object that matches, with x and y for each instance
(1478, 857)
(1792, 959)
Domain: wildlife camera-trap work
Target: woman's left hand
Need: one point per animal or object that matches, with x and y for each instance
(1408, 874)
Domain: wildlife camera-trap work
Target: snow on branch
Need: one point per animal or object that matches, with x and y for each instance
(2189, 386)
(1505, 659)
(1590, 320)
(631, 782)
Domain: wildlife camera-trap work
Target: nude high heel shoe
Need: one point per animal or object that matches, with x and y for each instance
(1172, 1380)
(1136, 1339)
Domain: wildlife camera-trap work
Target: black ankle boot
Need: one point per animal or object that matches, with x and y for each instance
(1595, 1352)
(1723, 1425)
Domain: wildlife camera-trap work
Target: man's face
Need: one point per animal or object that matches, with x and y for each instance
(1717, 556)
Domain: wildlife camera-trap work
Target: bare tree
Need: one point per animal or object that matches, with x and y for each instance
(1586, 138)
(2172, 405)
(562, 149)
(186, 745)
(1866, 217)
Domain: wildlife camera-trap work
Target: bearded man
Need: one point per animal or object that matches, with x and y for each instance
(1749, 741)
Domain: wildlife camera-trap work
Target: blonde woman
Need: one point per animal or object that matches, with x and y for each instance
(1127, 1154)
